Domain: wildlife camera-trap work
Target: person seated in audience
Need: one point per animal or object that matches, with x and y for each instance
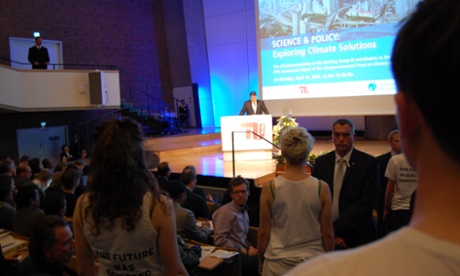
(163, 173)
(70, 180)
(290, 204)
(197, 190)
(42, 179)
(231, 225)
(10, 166)
(54, 202)
(23, 174)
(65, 155)
(35, 166)
(426, 67)
(47, 164)
(79, 165)
(24, 160)
(51, 246)
(61, 166)
(194, 202)
(7, 211)
(28, 213)
(185, 220)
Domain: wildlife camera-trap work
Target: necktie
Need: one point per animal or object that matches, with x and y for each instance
(338, 179)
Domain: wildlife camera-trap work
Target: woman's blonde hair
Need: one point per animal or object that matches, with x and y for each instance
(296, 144)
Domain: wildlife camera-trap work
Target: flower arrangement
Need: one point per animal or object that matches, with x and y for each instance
(282, 124)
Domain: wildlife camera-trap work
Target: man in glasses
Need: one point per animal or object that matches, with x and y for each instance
(231, 225)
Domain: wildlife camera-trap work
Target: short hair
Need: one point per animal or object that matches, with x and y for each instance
(63, 146)
(37, 37)
(187, 175)
(9, 163)
(24, 158)
(47, 163)
(236, 181)
(5, 186)
(296, 144)
(175, 188)
(426, 66)
(69, 177)
(344, 121)
(54, 201)
(253, 93)
(43, 237)
(391, 134)
(25, 194)
(22, 168)
(61, 166)
(163, 168)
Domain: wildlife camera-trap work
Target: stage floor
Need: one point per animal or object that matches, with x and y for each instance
(212, 164)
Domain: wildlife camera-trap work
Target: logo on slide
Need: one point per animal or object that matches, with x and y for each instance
(372, 86)
(303, 89)
(256, 128)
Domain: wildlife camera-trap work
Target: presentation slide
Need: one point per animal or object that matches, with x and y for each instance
(327, 48)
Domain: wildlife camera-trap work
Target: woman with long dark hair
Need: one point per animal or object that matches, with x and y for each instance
(122, 219)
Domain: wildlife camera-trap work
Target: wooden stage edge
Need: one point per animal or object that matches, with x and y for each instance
(202, 149)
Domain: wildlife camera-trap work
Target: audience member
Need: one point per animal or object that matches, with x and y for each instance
(10, 166)
(194, 202)
(27, 214)
(393, 141)
(23, 174)
(24, 160)
(70, 180)
(61, 167)
(42, 179)
(231, 225)
(7, 211)
(54, 202)
(47, 164)
(352, 176)
(78, 165)
(65, 155)
(197, 190)
(51, 246)
(185, 220)
(35, 166)
(294, 202)
(163, 173)
(122, 211)
(426, 67)
(402, 182)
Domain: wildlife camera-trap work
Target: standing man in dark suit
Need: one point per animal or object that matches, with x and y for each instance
(38, 55)
(353, 179)
(254, 106)
(393, 140)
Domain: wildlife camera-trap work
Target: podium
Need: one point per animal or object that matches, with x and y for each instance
(246, 144)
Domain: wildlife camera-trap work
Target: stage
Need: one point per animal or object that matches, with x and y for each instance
(202, 148)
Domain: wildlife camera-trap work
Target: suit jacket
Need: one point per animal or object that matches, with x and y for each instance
(197, 205)
(186, 225)
(41, 55)
(383, 160)
(247, 108)
(358, 194)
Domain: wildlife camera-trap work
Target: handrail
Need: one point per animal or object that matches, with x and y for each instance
(246, 131)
